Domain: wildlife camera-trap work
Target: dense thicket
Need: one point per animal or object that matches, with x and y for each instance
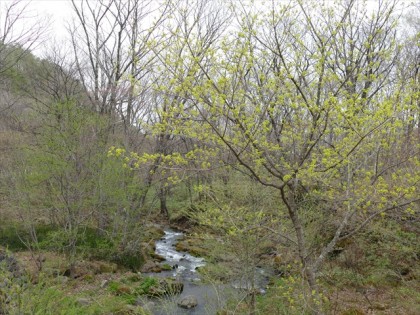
(283, 128)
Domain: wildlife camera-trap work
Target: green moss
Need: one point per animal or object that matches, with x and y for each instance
(166, 267)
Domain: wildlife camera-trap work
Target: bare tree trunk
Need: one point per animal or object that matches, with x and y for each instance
(289, 199)
(163, 191)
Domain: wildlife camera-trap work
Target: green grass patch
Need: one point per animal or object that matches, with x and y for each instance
(17, 238)
(145, 285)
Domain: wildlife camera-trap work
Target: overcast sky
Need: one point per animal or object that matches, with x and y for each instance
(59, 12)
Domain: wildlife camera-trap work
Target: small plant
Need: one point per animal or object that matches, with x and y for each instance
(113, 286)
(288, 296)
(145, 286)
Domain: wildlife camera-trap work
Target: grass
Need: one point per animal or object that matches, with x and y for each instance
(90, 244)
(49, 296)
(145, 285)
(54, 301)
(14, 237)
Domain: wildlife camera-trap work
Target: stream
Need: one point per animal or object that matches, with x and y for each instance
(210, 298)
(184, 264)
(184, 270)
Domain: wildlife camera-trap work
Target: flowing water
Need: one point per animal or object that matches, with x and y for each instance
(184, 270)
(185, 265)
(211, 298)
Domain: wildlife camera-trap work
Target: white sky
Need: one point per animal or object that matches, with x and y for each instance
(24, 19)
(59, 12)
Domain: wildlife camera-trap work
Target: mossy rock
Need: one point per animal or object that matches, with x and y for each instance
(166, 267)
(191, 246)
(182, 246)
(197, 251)
(150, 266)
(157, 257)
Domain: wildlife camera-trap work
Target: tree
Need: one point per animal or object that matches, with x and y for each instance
(62, 176)
(408, 72)
(122, 41)
(113, 43)
(303, 96)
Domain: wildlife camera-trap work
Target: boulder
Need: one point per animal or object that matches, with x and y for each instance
(150, 266)
(157, 257)
(190, 301)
